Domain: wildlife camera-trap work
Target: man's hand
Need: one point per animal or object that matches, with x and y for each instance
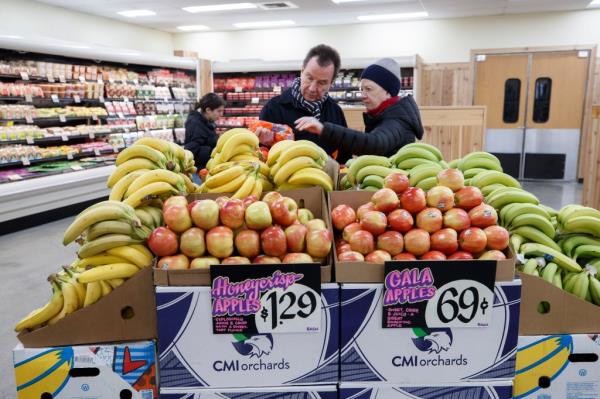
(265, 136)
(310, 124)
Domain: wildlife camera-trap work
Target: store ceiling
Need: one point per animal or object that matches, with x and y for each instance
(169, 13)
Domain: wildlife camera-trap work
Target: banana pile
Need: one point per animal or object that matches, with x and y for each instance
(422, 161)
(367, 172)
(298, 164)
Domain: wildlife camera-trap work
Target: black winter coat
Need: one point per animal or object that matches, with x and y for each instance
(281, 109)
(200, 137)
(385, 134)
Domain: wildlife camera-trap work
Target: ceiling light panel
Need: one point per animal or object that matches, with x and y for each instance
(220, 7)
(391, 17)
(136, 13)
(264, 24)
(192, 28)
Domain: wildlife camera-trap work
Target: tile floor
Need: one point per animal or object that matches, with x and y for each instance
(29, 256)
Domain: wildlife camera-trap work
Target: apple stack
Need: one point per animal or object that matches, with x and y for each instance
(450, 221)
(235, 231)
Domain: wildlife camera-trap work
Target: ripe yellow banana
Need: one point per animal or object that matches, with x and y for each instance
(223, 138)
(93, 292)
(303, 148)
(258, 188)
(70, 302)
(95, 215)
(157, 175)
(97, 260)
(230, 186)
(144, 250)
(106, 288)
(45, 313)
(145, 217)
(116, 282)
(190, 187)
(244, 152)
(246, 188)
(312, 176)
(99, 229)
(108, 272)
(150, 191)
(117, 192)
(217, 180)
(132, 254)
(266, 183)
(105, 243)
(141, 151)
(158, 144)
(289, 168)
(277, 149)
(244, 157)
(128, 167)
(236, 141)
(215, 169)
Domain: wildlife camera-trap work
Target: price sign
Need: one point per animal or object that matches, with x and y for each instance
(70, 156)
(24, 76)
(76, 167)
(50, 78)
(121, 115)
(61, 79)
(55, 98)
(101, 99)
(126, 99)
(434, 294)
(277, 89)
(94, 117)
(255, 100)
(238, 89)
(25, 161)
(62, 118)
(91, 135)
(82, 78)
(29, 118)
(97, 152)
(266, 299)
(64, 137)
(29, 140)
(115, 150)
(28, 98)
(14, 177)
(76, 98)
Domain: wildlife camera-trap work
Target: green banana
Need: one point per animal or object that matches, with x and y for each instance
(500, 201)
(511, 211)
(537, 221)
(551, 211)
(594, 287)
(549, 271)
(482, 163)
(494, 177)
(428, 183)
(414, 162)
(557, 281)
(586, 251)
(373, 181)
(488, 190)
(571, 242)
(454, 163)
(363, 161)
(536, 236)
(418, 174)
(551, 254)
(516, 241)
(428, 147)
(580, 288)
(372, 170)
(481, 154)
(582, 224)
(407, 153)
(470, 173)
(530, 266)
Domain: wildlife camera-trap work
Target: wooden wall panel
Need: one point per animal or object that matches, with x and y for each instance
(448, 84)
(596, 89)
(591, 176)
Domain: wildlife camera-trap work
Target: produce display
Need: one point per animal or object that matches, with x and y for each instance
(24, 111)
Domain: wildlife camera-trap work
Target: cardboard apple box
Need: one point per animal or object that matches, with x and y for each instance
(568, 314)
(312, 198)
(128, 313)
(365, 272)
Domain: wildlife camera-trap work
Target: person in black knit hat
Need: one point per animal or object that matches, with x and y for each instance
(390, 121)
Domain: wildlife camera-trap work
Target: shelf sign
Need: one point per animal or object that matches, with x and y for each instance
(76, 98)
(115, 149)
(126, 99)
(62, 118)
(94, 118)
(121, 115)
(25, 161)
(76, 167)
(61, 79)
(55, 98)
(29, 140)
(255, 100)
(24, 76)
(82, 78)
(29, 118)
(14, 177)
(28, 98)
(238, 89)
(277, 89)
(50, 78)
(97, 152)
(70, 156)
(64, 137)
(92, 135)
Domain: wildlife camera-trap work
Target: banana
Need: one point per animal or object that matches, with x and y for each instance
(258, 188)
(266, 184)
(277, 149)
(516, 241)
(115, 282)
(156, 214)
(244, 157)
(418, 174)
(582, 224)
(293, 166)
(369, 188)
(373, 170)
(530, 266)
(312, 176)
(372, 181)
(132, 254)
(566, 263)
(428, 183)
(418, 168)
(246, 188)
(412, 152)
(511, 211)
(214, 169)
(70, 302)
(537, 221)
(594, 287)
(481, 154)
(96, 260)
(566, 281)
(108, 272)
(226, 176)
(145, 217)
(226, 136)
(551, 211)
(158, 144)
(454, 164)
(98, 214)
(433, 149)
(152, 190)
(414, 162)
(483, 163)
(517, 196)
(93, 292)
(586, 251)
(237, 141)
(128, 167)
(557, 281)
(45, 313)
(488, 190)
(536, 236)
(117, 192)
(549, 271)
(494, 177)
(190, 186)
(581, 285)
(470, 173)
(365, 160)
(141, 151)
(574, 211)
(106, 288)
(157, 175)
(109, 227)
(104, 243)
(231, 186)
(303, 148)
(571, 242)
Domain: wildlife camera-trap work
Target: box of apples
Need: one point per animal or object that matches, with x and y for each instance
(206, 229)
(399, 222)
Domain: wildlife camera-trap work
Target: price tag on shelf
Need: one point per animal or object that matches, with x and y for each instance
(76, 167)
(255, 100)
(91, 135)
(167, 99)
(24, 76)
(50, 78)
(238, 89)
(101, 99)
(14, 177)
(29, 140)
(61, 79)
(97, 152)
(94, 117)
(126, 99)
(432, 295)
(55, 98)
(136, 82)
(29, 118)
(121, 115)
(25, 161)
(70, 156)
(99, 80)
(82, 78)
(126, 129)
(277, 89)
(62, 118)
(289, 303)
(111, 79)
(64, 137)
(76, 98)
(115, 150)
(28, 98)
(146, 98)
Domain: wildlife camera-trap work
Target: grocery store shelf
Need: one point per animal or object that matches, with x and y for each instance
(48, 101)
(28, 197)
(58, 158)
(54, 119)
(57, 139)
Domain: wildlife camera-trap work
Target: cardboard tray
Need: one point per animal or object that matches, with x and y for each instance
(312, 198)
(127, 314)
(567, 315)
(364, 272)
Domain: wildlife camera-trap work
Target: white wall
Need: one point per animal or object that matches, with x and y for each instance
(447, 40)
(31, 19)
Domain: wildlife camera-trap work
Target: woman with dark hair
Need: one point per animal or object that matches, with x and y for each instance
(200, 129)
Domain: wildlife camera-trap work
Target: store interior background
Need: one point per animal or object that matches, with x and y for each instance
(28, 258)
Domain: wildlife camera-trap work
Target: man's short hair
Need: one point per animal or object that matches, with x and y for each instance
(326, 56)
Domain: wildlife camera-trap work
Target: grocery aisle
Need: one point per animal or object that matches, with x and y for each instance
(555, 194)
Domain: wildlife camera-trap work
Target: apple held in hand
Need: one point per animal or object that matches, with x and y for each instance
(295, 235)
(318, 243)
(445, 241)
(232, 213)
(205, 214)
(192, 242)
(163, 242)
(468, 197)
(351, 256)
(497, 237)
(457, 219)
(440, 197)
(378, 256)
(400, 220)
(296, 257)
(483, 216)
(374, 222)
(175, 262)
(430, 220)
(362, 242)
(219, 242)
(258, 216)
(177, 217)
(342, 216)
(473, 240)
(273, 241)
(451, 178)
(391, 241)
(385, 200)
(413, 199)
(284, 211)
(397, 182)
(247, 243)
(203, 262)
(417, 242)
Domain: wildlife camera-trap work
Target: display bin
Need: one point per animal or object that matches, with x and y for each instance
(476, 390)
(315, 392)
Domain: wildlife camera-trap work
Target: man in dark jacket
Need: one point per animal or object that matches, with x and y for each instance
(200, 129)
(390, 121)
(308, 96)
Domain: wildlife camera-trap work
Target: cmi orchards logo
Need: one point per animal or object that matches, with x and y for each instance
(432, 340)
(253, 345)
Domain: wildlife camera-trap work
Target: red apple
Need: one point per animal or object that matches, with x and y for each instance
(430, 220)
(263, 259)
(204, 262)
(391, 242)
(284, 211)
(462, 255)
(417, 242)
(295, 236)
(296, 257)
(247, 243)
(175, 262)
(349, 230)
(385, 200)
(178, 218)
(249, 200)
(401, 220)
(378, 256)
(176, 200)
(191, 242)
(451, 178)
(273, 241)
(362, 241)
(374, 222)
(342, 216)
(445, 241)
(468, 197)
(397, 182)
(440, 197)
(497, 237)
(413, 199)
(304, 215)
(258, 216)
(221, 200)
(236, 260)
(271, 197)
(232, 213)
(343, 248)
(364, 208)
(219, 242)
(316, 224)
(404, 256)
(494, 254)
(205, 214)
(457, 219)
(472, 239)
(340, 241)
(351, 256)
(483, 215)
(318, 243)
(433, 255)
(163, 242)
